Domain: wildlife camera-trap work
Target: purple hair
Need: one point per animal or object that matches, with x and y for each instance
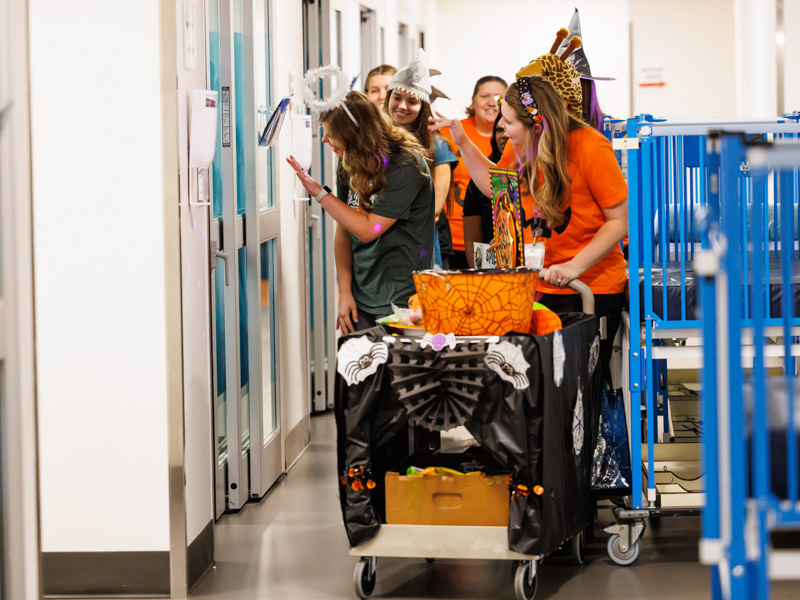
(595, 115)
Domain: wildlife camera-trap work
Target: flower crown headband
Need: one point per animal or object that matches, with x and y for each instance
(305, 89)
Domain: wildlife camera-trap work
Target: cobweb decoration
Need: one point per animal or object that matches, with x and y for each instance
(477, 303)
(439, 389)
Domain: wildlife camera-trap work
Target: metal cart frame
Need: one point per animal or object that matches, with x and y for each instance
(742, 505)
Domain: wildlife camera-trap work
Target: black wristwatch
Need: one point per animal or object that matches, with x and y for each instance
(322, 193)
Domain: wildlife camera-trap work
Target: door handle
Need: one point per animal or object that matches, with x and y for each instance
(217, 253)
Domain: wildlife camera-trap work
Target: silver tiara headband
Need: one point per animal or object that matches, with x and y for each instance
(306, 87)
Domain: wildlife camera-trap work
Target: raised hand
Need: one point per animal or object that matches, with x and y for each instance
(456, 130)
(311, 186)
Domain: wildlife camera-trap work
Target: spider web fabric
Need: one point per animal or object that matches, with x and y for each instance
(439, 389)
(477, 303)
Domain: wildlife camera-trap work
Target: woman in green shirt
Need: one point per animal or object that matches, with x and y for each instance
(384, 207)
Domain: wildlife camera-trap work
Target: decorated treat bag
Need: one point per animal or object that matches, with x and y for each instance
(508, 244)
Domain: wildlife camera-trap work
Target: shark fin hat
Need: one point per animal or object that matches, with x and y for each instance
(415, 79)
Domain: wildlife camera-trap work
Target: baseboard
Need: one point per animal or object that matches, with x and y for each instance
(200, 555)
(297, 441)
(104, 574)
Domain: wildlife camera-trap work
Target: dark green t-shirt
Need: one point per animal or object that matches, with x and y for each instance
(382, 268)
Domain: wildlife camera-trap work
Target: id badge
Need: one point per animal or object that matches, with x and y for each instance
(534, 255)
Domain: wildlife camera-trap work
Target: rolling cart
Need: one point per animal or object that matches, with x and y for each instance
(504, 405)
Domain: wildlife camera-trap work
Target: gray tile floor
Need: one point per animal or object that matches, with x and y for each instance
(292, 545)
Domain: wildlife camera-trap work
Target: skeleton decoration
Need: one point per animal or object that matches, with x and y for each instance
(577, 422)
(507, 361)
(594, 354)
(359, 358)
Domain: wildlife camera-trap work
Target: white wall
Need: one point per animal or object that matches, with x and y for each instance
(474, 38)
(99, 275)
(416, 14)
(715, 59)
(791, 17)
(695, 54)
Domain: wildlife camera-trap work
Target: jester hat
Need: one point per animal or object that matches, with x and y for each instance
(558, 70)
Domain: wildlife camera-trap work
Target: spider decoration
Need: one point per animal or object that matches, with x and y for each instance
(359, 358)
(577, 423)
(438, 341)
(508, 362)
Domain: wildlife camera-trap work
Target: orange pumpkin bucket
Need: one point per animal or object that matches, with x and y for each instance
(477, 302)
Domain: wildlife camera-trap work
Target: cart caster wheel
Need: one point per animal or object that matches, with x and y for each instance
(363, 579)
(578, 550)
(618, 501)
(430, 561)
(524, 587)
(620, 557)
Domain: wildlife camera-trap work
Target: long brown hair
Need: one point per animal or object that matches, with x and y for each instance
(369, 147)
(419, 128)
(548, 154)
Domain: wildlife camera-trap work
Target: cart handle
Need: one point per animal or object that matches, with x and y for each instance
(587, 297)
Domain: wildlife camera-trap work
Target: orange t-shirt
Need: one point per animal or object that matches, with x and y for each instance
(461, 179)
(596, 183)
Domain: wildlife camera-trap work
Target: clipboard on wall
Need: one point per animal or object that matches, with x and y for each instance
(270, 135)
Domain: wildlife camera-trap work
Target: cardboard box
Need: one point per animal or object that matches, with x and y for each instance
(476, 499)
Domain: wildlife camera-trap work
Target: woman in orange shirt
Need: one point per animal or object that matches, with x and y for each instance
(580, 203)
(478, 127)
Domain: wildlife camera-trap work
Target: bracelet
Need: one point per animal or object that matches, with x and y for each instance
(322, 193)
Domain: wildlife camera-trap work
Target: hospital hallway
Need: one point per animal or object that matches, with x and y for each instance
(293, 545)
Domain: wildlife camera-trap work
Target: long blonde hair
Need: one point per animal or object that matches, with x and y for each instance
(550, 153)
(369, 147)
